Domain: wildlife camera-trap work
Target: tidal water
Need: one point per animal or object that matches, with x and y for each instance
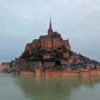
(14, 87)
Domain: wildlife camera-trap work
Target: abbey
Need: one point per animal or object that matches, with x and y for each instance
(51, 41)
(52, 55)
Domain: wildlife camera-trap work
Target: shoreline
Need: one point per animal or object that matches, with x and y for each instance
(53, 73)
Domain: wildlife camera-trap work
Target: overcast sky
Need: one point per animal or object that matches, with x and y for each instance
(21, 21)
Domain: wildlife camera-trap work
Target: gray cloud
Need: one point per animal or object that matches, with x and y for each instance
(23, 20)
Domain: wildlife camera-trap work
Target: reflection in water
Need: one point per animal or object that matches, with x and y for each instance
(9, 90)
(43, 88)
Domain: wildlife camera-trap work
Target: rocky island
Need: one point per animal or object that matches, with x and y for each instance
(52, 55)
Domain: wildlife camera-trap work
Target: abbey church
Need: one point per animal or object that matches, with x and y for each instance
(49, 53)
(49, 42)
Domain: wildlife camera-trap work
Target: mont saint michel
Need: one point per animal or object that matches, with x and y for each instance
(49, 50)
(51, 55)
(48, 69)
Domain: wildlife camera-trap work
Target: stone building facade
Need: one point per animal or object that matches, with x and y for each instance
(51, 41)
(5, 67)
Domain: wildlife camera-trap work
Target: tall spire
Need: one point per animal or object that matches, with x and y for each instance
(50, 23)
(50, 30)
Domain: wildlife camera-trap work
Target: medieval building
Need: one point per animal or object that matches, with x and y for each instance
(51, 41)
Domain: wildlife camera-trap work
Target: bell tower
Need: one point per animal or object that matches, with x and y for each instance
(50, 30)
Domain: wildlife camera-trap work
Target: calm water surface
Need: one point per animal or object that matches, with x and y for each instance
(14, 87)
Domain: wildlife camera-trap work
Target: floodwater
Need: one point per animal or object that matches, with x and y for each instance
(14, 87)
